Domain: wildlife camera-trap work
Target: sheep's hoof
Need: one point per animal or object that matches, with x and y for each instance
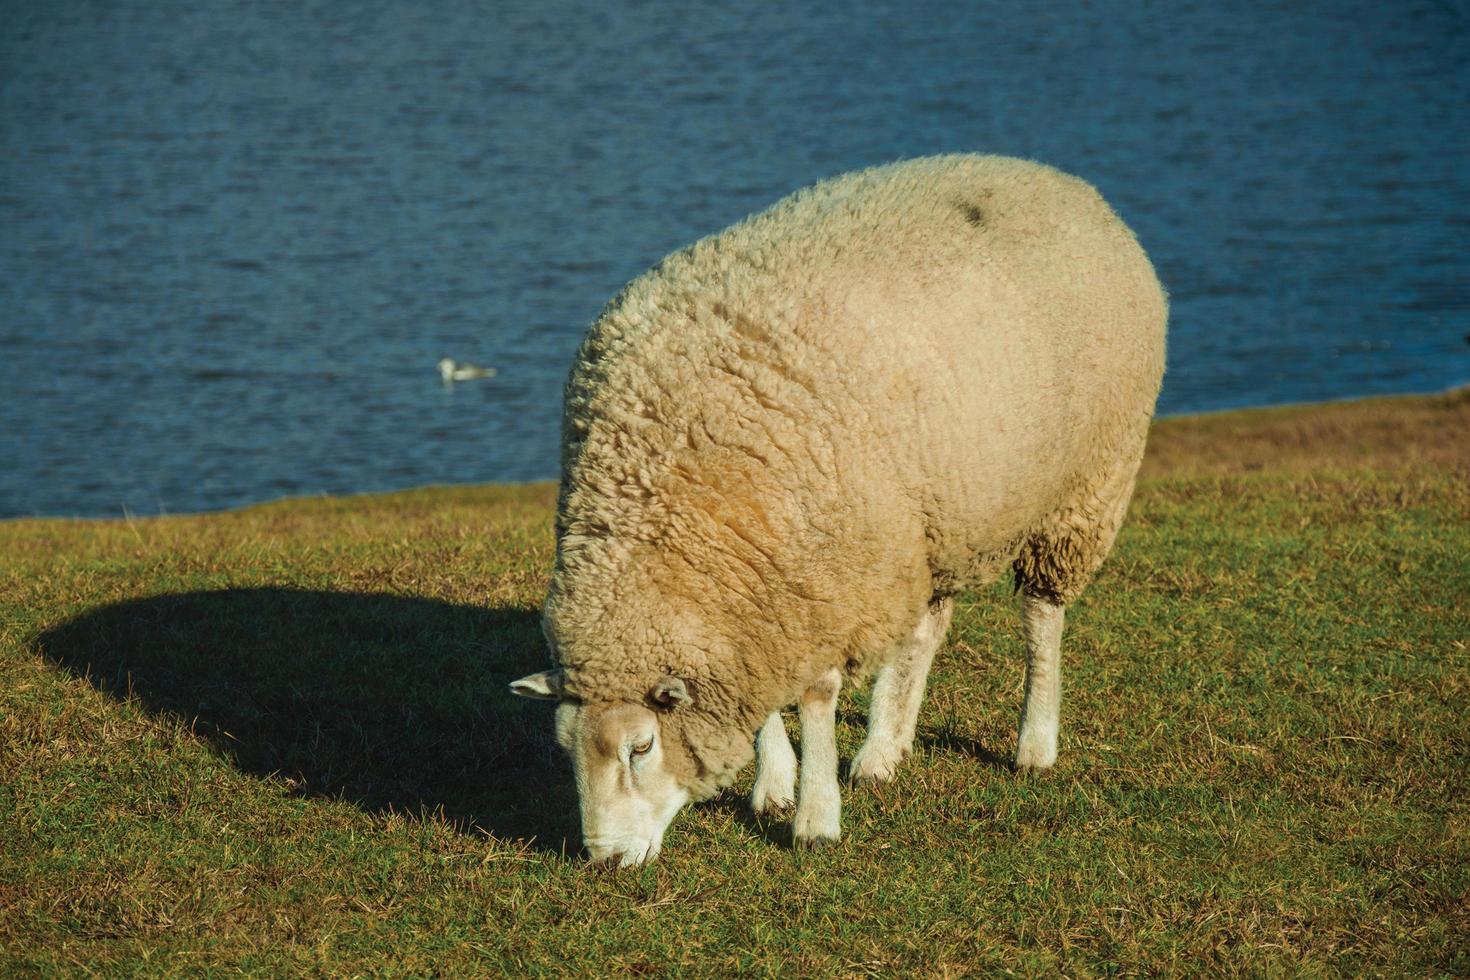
(870, 780)
(1029, 759)
(766, 804)
(872, 767)
(815, 843)
(873, 764)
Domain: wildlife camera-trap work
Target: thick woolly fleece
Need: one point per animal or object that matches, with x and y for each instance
(781, 443)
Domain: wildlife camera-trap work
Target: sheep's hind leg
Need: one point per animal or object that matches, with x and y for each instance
(819, 804)
(1041, 619)
(898, 692)
(1052, 568)
(775, 768)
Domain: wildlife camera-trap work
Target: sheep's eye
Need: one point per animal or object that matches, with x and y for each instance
(642, 748)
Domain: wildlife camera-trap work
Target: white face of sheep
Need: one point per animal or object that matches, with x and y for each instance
(628, 795)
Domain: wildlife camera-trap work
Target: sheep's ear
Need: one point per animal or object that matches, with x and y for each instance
(545, 686)
(670, 692)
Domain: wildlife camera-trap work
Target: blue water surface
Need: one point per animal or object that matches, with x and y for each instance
(235, 237)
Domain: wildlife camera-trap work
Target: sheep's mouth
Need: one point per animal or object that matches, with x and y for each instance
(638, 854)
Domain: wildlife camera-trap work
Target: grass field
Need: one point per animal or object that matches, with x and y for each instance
(278, 740)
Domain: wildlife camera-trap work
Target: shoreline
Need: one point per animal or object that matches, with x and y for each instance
(1394, 429)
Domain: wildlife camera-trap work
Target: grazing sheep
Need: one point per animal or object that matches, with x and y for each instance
(788, 445)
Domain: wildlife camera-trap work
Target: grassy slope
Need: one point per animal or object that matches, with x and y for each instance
(278, 740)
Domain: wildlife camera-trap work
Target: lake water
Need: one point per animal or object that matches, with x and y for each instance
(235, 237)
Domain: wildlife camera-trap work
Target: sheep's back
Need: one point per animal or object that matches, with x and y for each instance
(955, 343)
(1012, 339)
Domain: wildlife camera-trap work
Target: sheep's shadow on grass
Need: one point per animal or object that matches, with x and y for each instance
(946, 740)
(775, 828)
(941, 738)
(386, 701)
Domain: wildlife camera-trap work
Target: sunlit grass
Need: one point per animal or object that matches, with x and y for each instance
(277, 740)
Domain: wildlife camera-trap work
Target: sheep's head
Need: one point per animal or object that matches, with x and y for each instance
(627, 787)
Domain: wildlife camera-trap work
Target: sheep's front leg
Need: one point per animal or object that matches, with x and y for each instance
(1036, 747)
(775, 768)
(898, 692)
(819, 805)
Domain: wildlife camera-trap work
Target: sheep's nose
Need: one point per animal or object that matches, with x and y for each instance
(611, 862)
(601, 857)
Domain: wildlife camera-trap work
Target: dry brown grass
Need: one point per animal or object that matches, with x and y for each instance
(278, 741)
(1380, 433)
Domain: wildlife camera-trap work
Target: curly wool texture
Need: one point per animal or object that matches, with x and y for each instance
(782, 442)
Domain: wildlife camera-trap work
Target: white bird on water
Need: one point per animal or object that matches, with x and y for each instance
(451, 371)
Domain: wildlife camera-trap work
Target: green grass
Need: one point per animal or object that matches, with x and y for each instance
(278, 740)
